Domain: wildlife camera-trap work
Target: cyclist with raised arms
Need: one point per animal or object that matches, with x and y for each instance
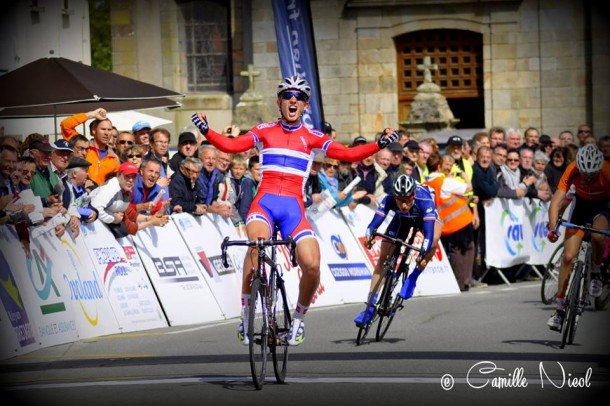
(415, 210)
(588, 179)
(286, 148)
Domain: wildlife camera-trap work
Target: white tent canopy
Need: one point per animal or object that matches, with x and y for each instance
(122, 120)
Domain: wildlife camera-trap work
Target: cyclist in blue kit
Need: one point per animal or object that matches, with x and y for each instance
(414, 208)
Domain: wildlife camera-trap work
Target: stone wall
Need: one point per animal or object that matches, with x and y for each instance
(537, 70)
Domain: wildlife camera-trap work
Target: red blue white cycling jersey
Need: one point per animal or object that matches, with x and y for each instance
(286, 155)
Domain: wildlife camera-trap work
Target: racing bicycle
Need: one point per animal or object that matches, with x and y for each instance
(386, 289)
(269, 317)
(578, 288)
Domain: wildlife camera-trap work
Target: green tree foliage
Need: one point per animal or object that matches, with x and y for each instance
(101, 40)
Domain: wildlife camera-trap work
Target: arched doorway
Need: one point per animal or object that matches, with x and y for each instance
(459, 57)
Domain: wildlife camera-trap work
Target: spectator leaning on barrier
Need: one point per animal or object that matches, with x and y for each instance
(76, 173)
(147, 194)
(184, 188)
(209, 180)
(509, 178)
(329, 180)
(112, 202)
(374, 180)
(538, 188)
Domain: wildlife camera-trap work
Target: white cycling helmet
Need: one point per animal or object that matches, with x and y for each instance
(404, 186)
(294, 83)
(589, 160)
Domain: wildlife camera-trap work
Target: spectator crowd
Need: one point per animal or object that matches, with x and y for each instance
(129, 181)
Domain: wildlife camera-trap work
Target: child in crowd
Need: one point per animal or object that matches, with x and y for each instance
(238, 191)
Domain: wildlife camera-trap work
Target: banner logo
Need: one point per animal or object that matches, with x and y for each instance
(513, 238)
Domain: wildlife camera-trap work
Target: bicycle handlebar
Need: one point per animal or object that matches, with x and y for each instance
(586, 228)
(397, 241)
(260, 244)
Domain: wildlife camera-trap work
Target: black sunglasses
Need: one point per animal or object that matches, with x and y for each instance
(134, 156)
(123, 142)
(300, 96)
(328, 166)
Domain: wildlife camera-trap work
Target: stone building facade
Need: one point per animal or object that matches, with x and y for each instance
(542, 63)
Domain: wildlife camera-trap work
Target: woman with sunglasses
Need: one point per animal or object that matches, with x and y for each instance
(329, 179)
(133, 154)
(287, 148)
(415, 211)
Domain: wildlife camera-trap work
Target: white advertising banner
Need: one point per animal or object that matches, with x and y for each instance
(46, 314)
(17, 321)
(535, 229)
(345, 273)
(204, 239)
(124, 278)
(82, 286)
(437, 278)
(515, 233)
(182, 291)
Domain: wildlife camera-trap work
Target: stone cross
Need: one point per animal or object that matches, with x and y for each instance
(251, 74)
(426, 67)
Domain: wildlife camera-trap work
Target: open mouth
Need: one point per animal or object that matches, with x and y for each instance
(292, 109)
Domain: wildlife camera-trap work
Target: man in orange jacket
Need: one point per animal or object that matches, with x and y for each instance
(102, 158)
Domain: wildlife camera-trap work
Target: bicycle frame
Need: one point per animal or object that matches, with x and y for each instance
(265, 329)
(388, 300)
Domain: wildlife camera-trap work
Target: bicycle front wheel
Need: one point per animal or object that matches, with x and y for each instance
(571, 317)
(389, 304)
(281, 326)
(258, 333)
(364, 328)
(548, 289)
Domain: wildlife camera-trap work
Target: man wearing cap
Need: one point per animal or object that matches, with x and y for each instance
(141, 130)
(103, 159)
(112, 202)
(76, 173)
(411, 151)
(187, 146)
(396, 150)
(329, 130)
(51, 185)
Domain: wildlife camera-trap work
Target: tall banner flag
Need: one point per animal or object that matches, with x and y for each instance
(296, 49)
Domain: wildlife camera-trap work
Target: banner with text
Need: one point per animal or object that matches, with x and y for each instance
(182, 291)
(296, 49)
(124, 278)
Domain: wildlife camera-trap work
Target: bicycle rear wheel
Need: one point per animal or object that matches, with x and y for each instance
(548, 289)
(388, 305)
(258, 333)
(364, 328)
(281, 326)
(570, 321)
